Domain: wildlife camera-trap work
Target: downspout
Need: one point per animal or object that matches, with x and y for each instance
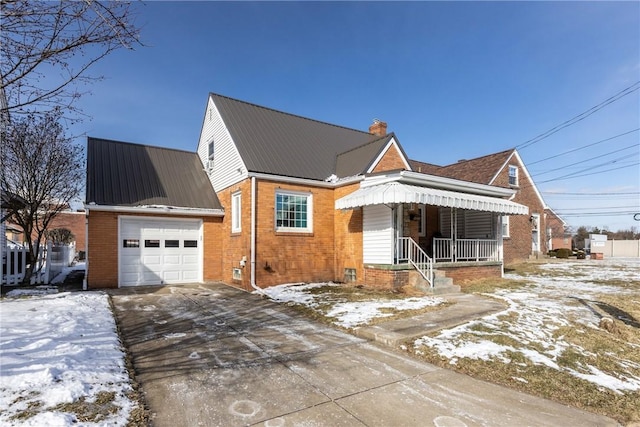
(86, 250)
(253, 237)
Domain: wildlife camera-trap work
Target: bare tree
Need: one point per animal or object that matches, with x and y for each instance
(43, 167)
(47, 47)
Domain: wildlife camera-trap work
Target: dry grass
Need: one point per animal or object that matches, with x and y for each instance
(615, 352)
(328, 296)
(489, 285)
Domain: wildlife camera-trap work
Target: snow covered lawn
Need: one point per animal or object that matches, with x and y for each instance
(348, 307)
(549, 340)
(61, 362)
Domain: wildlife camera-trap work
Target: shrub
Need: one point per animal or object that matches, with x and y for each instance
(563, 253)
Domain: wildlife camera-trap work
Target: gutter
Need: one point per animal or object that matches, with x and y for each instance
(157, 209)
(306, 181)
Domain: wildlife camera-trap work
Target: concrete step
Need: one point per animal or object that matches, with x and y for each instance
(441, 284)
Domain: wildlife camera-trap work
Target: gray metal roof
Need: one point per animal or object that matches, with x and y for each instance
(356, 161)
(125, 174)
(274, 142)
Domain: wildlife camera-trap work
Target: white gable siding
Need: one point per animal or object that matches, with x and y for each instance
(228, 166)
(377, 236)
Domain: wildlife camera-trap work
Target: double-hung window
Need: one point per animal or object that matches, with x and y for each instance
(236, 212)
(513, 175)
(294, 211)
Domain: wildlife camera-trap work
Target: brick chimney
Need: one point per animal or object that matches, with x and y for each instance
(378, 128)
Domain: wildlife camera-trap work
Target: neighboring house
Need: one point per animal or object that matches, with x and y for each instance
(271, 198)
(557, 234)
(523, 236)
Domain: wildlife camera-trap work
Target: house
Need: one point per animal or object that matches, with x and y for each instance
(271, 197)
(524, 236)
(557, 234)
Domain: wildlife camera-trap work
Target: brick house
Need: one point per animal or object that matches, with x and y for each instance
(270, 198)
(523, 236)
(557, 234)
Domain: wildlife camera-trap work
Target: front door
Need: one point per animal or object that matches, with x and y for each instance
(535, 233)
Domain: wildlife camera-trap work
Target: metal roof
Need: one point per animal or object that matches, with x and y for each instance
(126, 174)
(274, 142)
(358, 160)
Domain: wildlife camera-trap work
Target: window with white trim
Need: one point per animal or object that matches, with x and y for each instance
(236, 212)
(513, 175)
(505, 226)
(294, 211)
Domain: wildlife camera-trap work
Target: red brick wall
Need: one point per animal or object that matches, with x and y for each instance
(518, 245)
(348, 237)
(294, 257)
(392, 160)
(385, 279)
(462, 273)
(234, 246)
(75, 222)
(102, 251)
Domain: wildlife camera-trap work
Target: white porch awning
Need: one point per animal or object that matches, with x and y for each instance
(395, 192)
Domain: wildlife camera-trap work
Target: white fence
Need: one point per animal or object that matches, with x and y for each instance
(622, 248)
(51, 261)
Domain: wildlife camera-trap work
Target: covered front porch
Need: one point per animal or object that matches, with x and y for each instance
(409, 227)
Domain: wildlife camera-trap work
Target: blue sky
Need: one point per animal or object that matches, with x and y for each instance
(453, 80)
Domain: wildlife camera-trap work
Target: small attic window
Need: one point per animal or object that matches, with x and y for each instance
(513, 175)
(211, 150)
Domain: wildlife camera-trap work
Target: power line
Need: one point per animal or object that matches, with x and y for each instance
(570, 176)
(552, 193)
(598, 208)
(587, 160)
(624, 92)
(586, 146)
(598, 214)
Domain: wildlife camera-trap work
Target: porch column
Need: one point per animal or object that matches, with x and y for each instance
(499, 240)
(454, 234)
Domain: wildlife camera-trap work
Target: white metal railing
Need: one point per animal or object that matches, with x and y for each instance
(407, 250)
(465, 250)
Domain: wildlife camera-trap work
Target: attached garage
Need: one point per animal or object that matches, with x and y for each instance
(157, 251)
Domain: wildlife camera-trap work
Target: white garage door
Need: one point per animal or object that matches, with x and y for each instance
(159, 251)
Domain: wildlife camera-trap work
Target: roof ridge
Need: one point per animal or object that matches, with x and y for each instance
(288, 114)
(366, 143)
(478, 158)
(140, 145)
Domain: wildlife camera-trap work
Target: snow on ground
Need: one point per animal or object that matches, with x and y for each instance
(346, 314)
(536, 312)
(56, 348)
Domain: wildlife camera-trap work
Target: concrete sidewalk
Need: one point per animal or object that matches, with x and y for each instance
(211, 355)
(466, 308)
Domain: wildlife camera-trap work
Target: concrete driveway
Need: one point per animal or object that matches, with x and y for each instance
(211, 355)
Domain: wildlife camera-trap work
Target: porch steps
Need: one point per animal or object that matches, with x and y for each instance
(441, 283)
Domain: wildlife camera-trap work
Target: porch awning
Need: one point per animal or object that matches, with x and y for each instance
(395, 192)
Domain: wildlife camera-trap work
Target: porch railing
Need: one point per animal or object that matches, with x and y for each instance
(465, 250)
(408, 250)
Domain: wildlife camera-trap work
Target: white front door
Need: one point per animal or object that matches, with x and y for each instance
(535, 233)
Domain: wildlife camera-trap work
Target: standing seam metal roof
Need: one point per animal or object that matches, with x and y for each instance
(274, 142)
(126, 174)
